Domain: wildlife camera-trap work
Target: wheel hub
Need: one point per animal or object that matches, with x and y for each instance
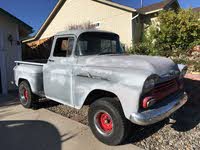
(105, 122)
(25, 94)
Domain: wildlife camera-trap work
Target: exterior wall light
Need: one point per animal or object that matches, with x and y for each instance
(10, 38)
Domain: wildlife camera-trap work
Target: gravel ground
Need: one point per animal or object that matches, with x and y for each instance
(181, 132)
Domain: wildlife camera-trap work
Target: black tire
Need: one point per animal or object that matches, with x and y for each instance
(120, 125)
(26, 97)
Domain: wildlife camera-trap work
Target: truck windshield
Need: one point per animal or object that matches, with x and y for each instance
(97, 43)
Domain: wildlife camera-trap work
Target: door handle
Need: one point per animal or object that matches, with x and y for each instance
(51, 60)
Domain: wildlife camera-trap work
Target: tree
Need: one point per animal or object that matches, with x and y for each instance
(177, 31)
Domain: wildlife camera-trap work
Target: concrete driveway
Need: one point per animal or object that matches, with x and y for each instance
(26, 129)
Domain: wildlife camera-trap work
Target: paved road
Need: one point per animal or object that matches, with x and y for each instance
(22, 129)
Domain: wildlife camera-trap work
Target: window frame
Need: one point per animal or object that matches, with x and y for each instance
(77, 51)
(64, 37)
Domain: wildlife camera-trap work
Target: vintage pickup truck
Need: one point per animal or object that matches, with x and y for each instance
(89, 67)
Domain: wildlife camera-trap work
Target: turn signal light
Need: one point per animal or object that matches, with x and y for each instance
(148, 102)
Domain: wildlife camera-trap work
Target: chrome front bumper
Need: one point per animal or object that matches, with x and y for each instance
(155, 115)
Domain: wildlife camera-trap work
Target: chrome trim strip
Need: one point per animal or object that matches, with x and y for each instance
(155, 115)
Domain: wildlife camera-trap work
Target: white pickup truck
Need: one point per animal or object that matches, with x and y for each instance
(89, 67)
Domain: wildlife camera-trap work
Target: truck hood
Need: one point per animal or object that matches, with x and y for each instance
(154, 64)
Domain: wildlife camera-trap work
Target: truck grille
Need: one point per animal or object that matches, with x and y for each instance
(164, 89)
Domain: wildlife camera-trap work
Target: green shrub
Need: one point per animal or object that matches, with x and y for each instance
(174, 36)
(176, 33)
(140, 48)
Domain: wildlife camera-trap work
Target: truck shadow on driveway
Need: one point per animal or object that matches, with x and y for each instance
(29, 134)
(45, 103)
(139, 133)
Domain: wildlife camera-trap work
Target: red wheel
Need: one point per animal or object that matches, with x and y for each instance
(26, 97)
(23, 95)
(107, 121)
(104, 122)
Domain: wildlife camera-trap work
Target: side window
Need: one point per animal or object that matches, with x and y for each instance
(63, 47)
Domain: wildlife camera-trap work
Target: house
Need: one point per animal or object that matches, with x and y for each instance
(148, 14)
(12, 30)
(104, 14)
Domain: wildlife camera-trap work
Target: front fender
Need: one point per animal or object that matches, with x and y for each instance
(126, 86)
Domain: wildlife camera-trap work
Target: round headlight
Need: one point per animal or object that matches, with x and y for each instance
(149, 84)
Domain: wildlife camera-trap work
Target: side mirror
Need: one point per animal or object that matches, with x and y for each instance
(124, 47)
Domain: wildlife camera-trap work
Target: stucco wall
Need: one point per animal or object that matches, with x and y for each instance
(81, 11)
(8, 52)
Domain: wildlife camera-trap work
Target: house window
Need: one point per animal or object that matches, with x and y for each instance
(63, 47)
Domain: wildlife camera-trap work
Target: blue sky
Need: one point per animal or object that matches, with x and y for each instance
(35, 12)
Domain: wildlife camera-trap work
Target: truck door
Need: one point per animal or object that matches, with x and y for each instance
(57, 73)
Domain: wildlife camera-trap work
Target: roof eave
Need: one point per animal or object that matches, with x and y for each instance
(173, 2)
(51, 15)
(18, 21)
(116, 5)
(151, 12)
(159, 9)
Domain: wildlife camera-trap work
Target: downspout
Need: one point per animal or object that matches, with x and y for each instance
(138, 12)
(136, 15)
(134, 33)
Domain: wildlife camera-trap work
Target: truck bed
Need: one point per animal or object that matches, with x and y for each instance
(32, 71)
